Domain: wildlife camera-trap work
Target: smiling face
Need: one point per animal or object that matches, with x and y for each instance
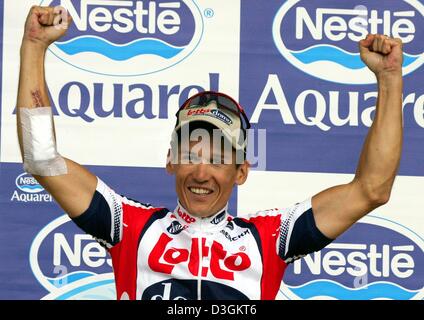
(204, 184)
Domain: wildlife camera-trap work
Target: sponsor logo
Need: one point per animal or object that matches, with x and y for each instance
(324, 109)
(175, 227)
(235, 238)
(230, 225)
(88, 102)
(176, 289)
(27, 183)
(98, 287)
(166, 294)
(128, 37)
(70, 265)
(375, 259)
(218, 218)
(29, 190)
(221, 116)
(164, 257)
(196, 112)
(212, 113)
(323, 41)
(187, 218)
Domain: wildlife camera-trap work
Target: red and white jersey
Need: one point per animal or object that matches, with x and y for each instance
(162, 254)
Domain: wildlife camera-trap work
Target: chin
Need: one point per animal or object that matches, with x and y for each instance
(200, 207)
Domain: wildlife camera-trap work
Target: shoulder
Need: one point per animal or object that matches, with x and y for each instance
(277, 213)
(137, 209)
(118, 201)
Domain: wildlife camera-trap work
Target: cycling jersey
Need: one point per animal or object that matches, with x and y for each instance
(162, 254)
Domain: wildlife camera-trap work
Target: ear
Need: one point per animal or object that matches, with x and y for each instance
(242, 172)
(169, 165)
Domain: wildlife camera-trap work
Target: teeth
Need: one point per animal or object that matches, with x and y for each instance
(199, 191)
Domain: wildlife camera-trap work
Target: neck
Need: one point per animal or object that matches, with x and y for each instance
(211, 222)
(197, 216)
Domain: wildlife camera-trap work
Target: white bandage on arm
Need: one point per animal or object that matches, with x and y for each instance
(39, 144)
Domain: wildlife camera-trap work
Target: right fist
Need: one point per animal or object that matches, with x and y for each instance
(45, 25)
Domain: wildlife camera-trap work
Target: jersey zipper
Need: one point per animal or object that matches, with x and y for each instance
(199, 269)
(199, 279)
(199, 272)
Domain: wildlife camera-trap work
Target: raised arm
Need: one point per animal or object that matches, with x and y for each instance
(74, 189)
(337, 208)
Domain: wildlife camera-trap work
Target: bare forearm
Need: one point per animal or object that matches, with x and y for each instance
(74, 190)
(32, 91)
(380, 155)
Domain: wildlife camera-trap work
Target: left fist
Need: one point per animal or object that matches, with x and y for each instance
(382, 54)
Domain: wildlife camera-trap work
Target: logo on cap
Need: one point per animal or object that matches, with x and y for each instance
(218, 114)
(221, 116)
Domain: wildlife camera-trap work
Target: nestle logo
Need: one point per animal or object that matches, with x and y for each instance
(372, 260)
(27, 183)
(353, 23)
(147, 17)
(154, 35)
(60, 255)
(316, 36)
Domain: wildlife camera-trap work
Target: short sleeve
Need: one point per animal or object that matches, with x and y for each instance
(103, 218)
(299, 234)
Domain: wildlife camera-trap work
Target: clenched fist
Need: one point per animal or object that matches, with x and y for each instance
(382, 54)
(45, 25)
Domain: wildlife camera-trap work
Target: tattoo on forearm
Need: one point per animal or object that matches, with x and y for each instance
(36, 98)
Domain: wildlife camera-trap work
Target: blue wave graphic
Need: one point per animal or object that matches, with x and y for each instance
(69, 278)
(27, 186)
(334, 54)
(372, 291)
(79, 290)
(119, 52)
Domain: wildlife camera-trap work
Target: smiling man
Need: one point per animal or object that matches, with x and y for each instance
(198, 250)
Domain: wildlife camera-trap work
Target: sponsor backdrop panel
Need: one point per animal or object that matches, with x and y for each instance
(48, 253)
(301, 78)
(380, 257)
(115, 87)
(103, 82)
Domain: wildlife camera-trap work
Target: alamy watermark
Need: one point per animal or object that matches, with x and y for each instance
(219, 146)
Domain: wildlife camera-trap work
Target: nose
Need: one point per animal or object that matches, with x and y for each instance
(200, 173)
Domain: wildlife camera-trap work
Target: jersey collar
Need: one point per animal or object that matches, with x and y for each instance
(213, 223)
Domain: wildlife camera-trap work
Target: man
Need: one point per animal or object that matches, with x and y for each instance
(199, 251)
